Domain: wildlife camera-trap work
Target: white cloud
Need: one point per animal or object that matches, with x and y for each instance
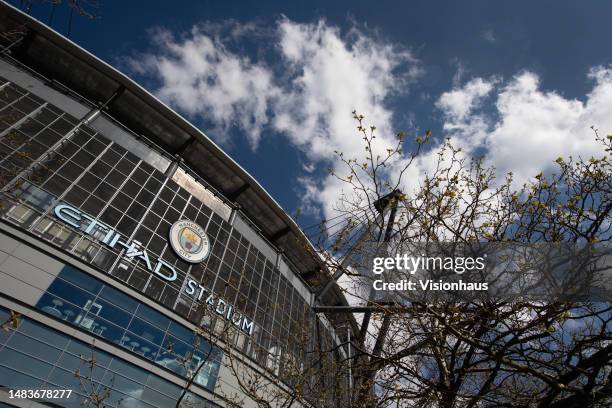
(460, 72)
(517, 126)
(489, 36)
(528, 127)
(335, 75)
(459, 102)
(203, 79)
(308, 189)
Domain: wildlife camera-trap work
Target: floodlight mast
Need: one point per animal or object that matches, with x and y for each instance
(341, 268)
(364, 376)
(380, 205)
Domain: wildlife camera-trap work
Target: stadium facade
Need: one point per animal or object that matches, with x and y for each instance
(128, 235)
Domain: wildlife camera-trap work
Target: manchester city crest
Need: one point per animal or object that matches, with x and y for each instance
(189, 241)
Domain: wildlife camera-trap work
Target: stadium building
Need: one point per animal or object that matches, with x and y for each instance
(128, 236)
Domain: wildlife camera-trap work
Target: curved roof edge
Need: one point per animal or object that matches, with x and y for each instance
(60, 59)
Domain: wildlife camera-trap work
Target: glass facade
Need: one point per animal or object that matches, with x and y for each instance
(34, 356)
(48, 157)
(87, 303)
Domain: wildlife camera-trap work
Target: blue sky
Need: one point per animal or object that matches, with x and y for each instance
(522, 81)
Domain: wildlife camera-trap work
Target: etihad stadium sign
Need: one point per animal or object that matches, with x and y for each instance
(186, 238)
(113, 239)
